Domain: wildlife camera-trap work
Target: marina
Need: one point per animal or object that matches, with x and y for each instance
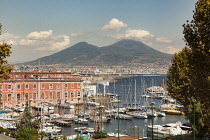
(129, 115)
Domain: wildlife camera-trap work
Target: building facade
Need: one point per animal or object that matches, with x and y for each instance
(51, 87)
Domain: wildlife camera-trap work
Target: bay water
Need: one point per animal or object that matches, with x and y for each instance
(130, 90)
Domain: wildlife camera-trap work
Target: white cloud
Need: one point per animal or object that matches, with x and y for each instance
(61, 45)
(135, 34)
(44, 40)
(27, 42)
(170, 50)
(39, 35)
(77, 34)
(114, 24)
(163, 40)
(8, 38)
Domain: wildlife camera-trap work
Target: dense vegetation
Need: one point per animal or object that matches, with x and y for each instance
(189, 75)
(5, 68)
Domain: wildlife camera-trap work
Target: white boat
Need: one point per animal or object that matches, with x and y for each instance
(93, 103)
(50, 107)
(112, 134)
(90, 130)
(68, 106)
(68, 116)
(81, 121)
(98, 119)
(50, 129)
(124, 117)
(8, 125)
(140, 115)
(171, 129)
(80, 129)
(161, 114)
(55, 116)
(54, 135)
(20, 109)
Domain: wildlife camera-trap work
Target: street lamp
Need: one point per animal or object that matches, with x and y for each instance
(152, 105)
(29, 118)
(194, 129)
(78, 119)
(101, 119)
(137, 129)
(118, 118)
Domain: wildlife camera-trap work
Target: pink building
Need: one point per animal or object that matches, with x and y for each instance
(52, 87)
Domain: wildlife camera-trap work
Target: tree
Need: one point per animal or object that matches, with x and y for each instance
(24, 133)
(27, 123)
(5, 68)
(188, 78)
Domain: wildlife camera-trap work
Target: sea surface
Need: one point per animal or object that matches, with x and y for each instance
(130, 91)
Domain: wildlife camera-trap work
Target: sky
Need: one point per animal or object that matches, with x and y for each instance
(38, 28)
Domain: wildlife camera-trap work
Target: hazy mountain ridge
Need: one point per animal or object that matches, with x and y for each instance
(119, 53)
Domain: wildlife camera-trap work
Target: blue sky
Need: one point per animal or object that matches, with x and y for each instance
(38, 28)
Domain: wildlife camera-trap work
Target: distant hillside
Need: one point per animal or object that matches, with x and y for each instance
(121, 52)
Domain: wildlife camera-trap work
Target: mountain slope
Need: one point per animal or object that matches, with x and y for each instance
(125, 51)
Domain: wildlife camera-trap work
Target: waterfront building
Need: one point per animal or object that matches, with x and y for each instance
(51, 87)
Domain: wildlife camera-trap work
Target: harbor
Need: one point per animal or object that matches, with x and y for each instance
(122, 109)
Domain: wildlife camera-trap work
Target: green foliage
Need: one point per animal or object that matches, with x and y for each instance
(13, 134)
(26, 119)
(27, 128)
(24, 133)
(5, 68)
(7, 131)
(78, 138)
(100, 134)
(42, 135)
(2, 130)
(188, 77)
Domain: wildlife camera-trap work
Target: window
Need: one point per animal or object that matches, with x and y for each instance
(51, 95)
(9, 86)
(26, 86)
(72, 94)
(50, 86)
(34, 96)
(9, 95)
(58, 95)
(42, 95)
(78, 93)
(34, 86)
(66, 94)
(18, 86)
(42, 86)
(26, 96)
(78, 85)
(66, 85)
(18, 97)
(58, 85)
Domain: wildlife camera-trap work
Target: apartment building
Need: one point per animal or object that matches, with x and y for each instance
(51, 87)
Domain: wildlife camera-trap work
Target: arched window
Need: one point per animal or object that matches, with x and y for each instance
(51, 95)
(34, 96)
(78, 94)
(26, 96)
(72, 94)
(58, 95)
(66, 94)
(18, 97)
(42, 95)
